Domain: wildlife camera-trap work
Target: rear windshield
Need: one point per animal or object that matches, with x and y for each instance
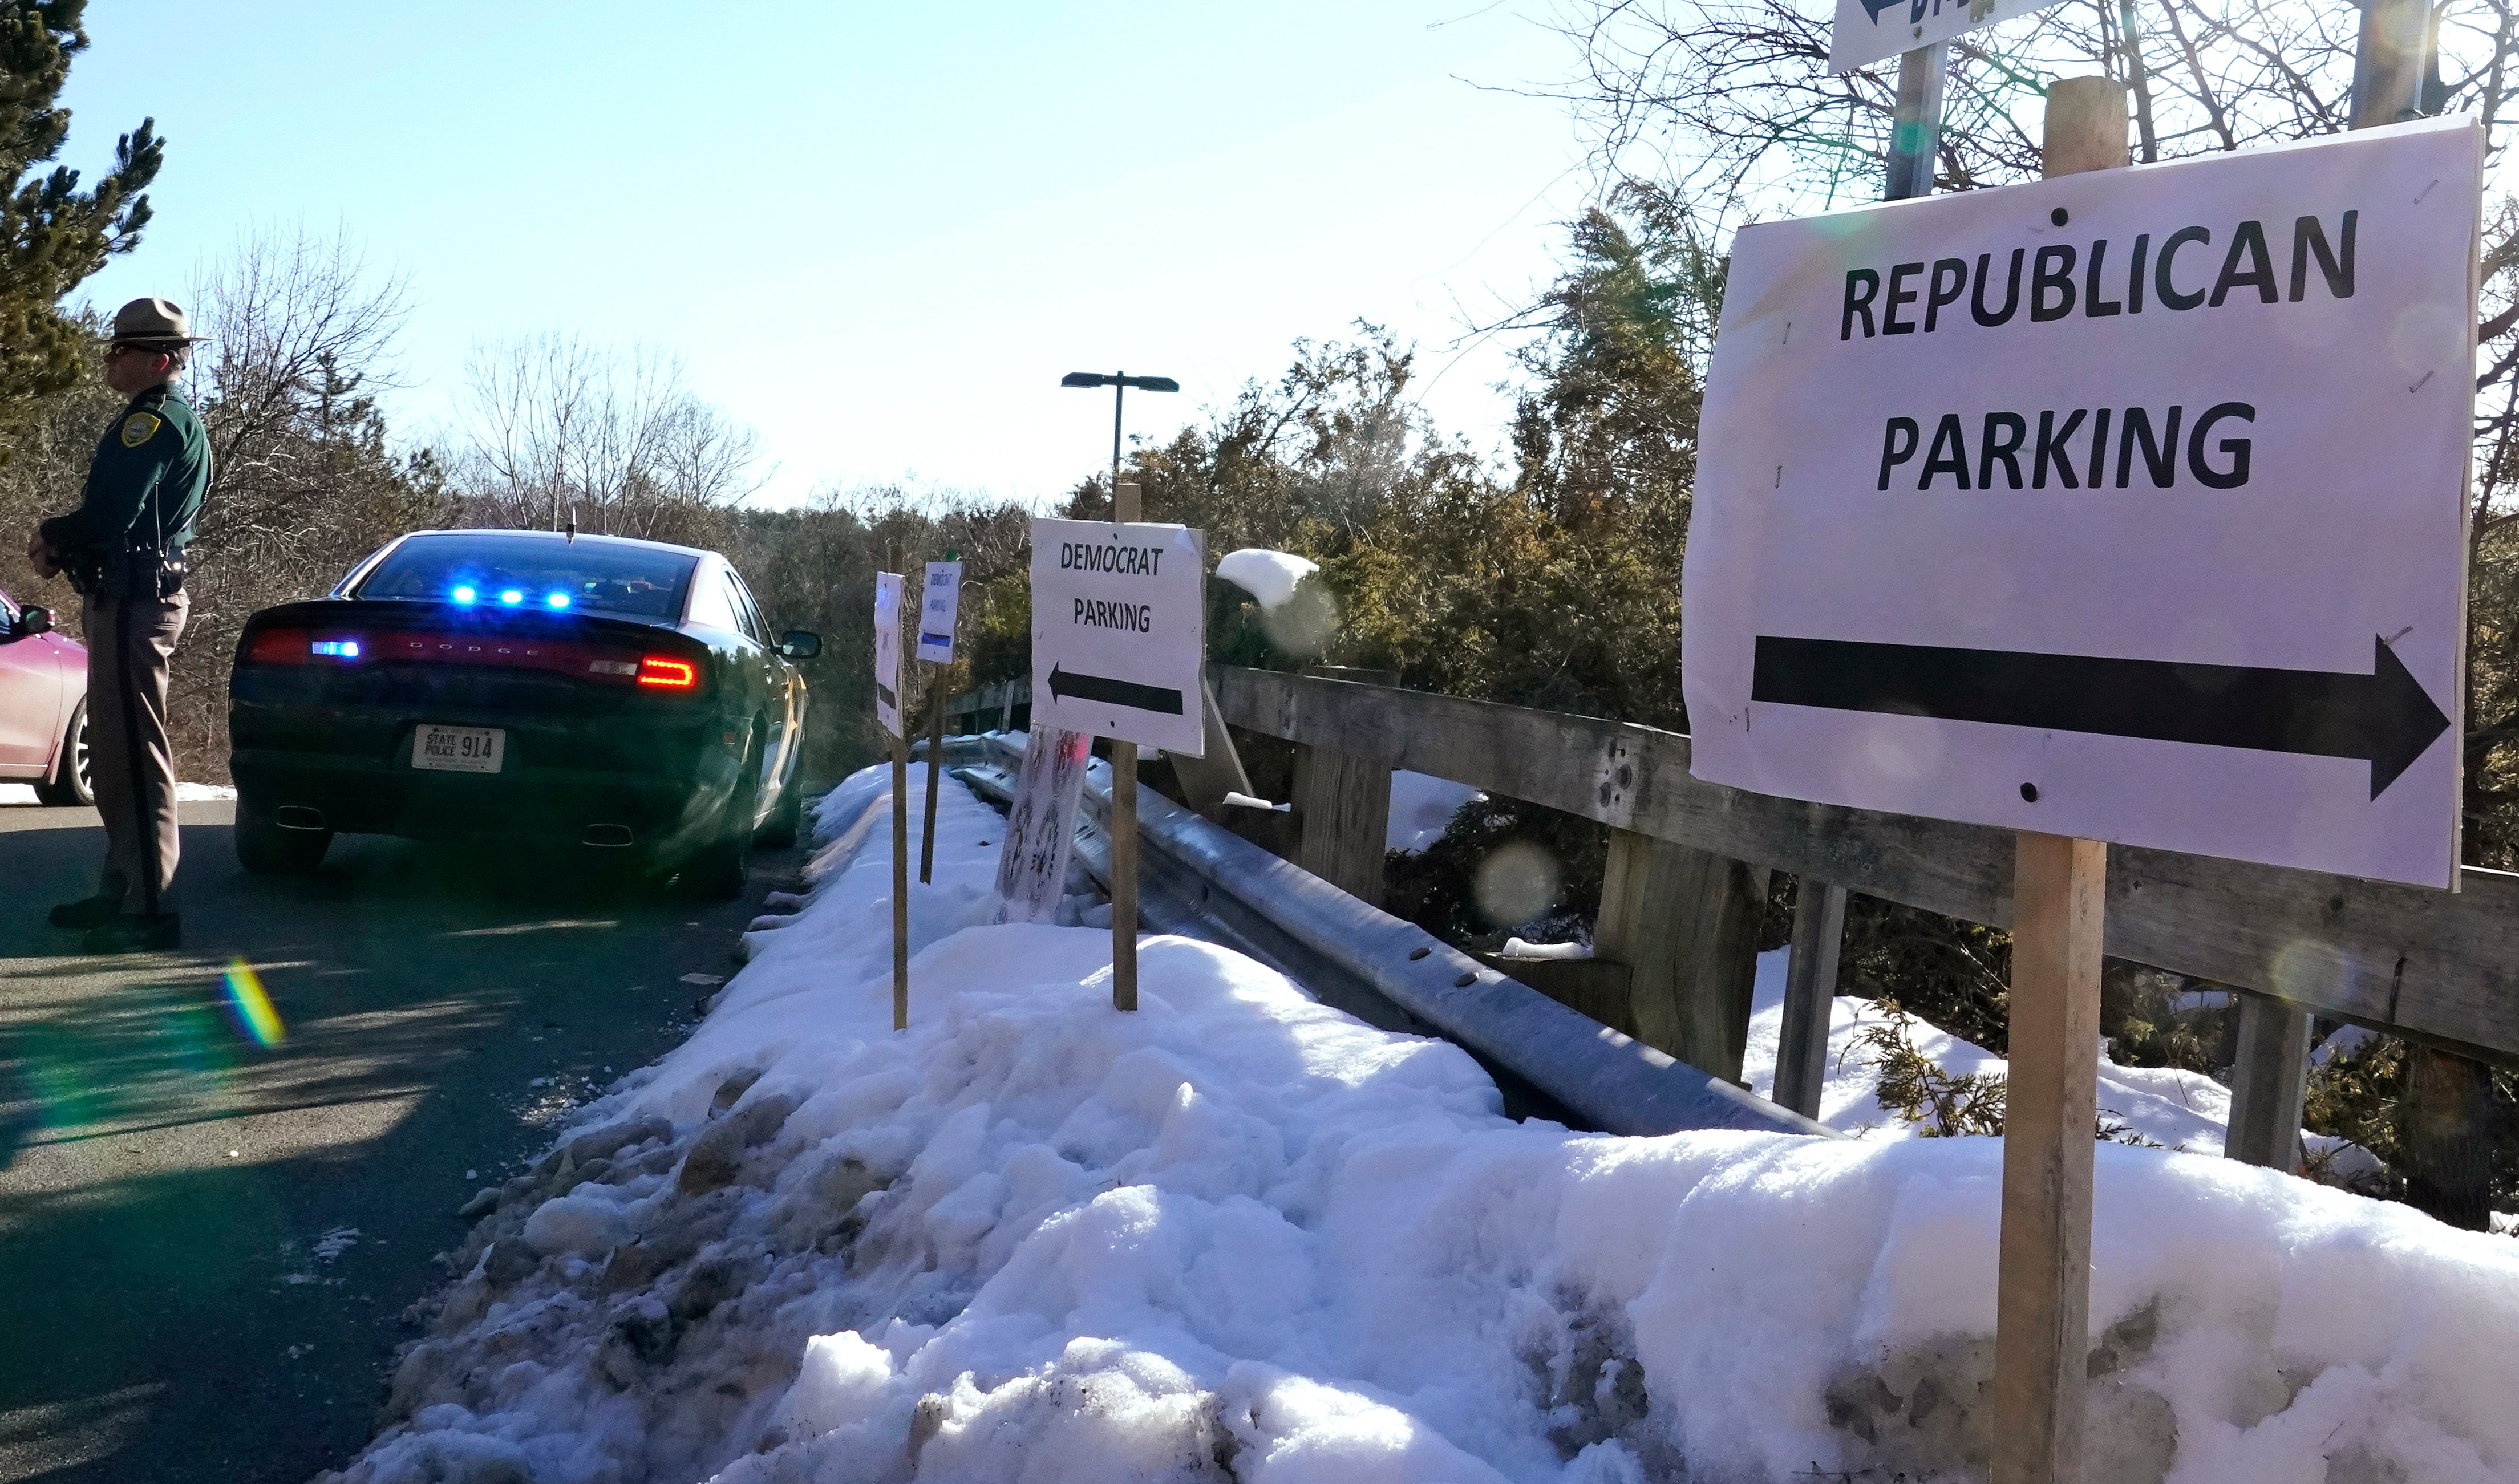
(531, 572)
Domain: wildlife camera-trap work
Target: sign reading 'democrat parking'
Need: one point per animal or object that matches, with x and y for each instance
(1868, 30)
(2127, 506)
(1119, 632)
(887, 652)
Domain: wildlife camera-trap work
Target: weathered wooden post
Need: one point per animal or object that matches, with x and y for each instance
(2448, 1101)
(1128, 507)
(1810, 994)
(2051, 1106)
(1342, 807)
(887, 711)
(1685, 922)
(2269, 1081)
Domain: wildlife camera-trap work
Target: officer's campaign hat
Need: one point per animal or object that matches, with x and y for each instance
(154, 322)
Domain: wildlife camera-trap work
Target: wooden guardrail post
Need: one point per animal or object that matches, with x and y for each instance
(2268, 1084)
(1342, 807)
(1685, 922)
(1810, 994)
(2444, 1114)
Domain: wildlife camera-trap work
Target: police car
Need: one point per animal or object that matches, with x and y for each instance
(622, 698)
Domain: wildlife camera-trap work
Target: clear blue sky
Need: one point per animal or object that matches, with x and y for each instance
(878, 234)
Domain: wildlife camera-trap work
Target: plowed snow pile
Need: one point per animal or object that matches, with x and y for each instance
(1239, 1236)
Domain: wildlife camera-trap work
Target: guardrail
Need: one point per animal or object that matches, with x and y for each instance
(1206, 881)
(1689, 864)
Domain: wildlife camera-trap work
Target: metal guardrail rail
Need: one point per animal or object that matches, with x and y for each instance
(1201, 879)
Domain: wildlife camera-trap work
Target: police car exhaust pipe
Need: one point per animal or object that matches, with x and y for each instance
(298, 816)
(606, 835)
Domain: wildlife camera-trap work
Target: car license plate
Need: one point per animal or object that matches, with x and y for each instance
(458, 749)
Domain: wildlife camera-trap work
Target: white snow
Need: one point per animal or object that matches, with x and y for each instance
(2176, 1110)
(1240, 1235)
(1422, 806)
(1270, 577)
(184, 793)
(1516, 948)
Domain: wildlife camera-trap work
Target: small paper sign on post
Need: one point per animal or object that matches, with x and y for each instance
(937, 612)
(1041, 827)
(887, 652)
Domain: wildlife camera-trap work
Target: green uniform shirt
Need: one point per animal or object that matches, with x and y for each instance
(145, 485)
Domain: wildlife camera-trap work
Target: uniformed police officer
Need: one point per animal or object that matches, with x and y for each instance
(123, 550)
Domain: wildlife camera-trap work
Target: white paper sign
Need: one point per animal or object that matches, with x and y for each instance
(2127, 506)
(937, 612)
(1119, 632)
(887, 652)
(1040, 826)
(1868, 30)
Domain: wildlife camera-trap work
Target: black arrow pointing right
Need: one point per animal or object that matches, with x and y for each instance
(1064, 682)
(2385, 717)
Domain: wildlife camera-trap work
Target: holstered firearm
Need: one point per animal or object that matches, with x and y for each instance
(94, 571)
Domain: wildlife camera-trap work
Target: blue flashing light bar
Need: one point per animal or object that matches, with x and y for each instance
(464, 594)
(339, 649)
(558, 601)
(513, 596)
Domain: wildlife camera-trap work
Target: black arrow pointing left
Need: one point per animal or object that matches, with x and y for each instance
(1065, 682)
(2384, 717)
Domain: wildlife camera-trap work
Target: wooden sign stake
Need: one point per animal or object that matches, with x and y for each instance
(900, 884)
(2042, 1325)
(935, 768)
(2049, 1122)
(1125, 508)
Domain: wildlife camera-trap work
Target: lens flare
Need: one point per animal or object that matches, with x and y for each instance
(466, 595)
(252, 1007)
(558, 601)
(511, 596)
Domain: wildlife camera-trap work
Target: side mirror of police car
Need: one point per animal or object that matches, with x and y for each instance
(797, 644)
(31, 621)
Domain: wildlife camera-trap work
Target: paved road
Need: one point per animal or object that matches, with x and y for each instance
(207, 1243)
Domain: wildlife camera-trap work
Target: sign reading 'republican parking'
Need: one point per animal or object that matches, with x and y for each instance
(1119, 632)
(2127, 506)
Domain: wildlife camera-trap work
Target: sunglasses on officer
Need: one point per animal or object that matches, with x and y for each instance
(113, 351)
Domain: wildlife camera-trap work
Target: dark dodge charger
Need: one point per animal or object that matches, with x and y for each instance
(623, 697)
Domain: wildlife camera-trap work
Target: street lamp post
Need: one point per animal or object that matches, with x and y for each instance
(1119, 382)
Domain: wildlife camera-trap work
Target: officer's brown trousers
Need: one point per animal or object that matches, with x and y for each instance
(129, 640)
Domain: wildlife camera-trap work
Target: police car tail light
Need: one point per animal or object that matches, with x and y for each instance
(279, 646)
(665, 673)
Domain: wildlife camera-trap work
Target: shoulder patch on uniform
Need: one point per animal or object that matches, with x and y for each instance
(139, 428)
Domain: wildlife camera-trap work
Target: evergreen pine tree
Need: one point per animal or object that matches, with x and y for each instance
(52, 233)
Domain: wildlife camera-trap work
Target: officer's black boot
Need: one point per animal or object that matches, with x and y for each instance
(87, 912)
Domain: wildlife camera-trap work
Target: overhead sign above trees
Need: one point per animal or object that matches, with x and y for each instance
(1871, 30)
(2125, 505)
(1119, 632)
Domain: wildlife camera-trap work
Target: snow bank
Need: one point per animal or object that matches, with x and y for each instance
(184, 793)
(1238, 1235)
(1422, 806)
(1270, 577)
